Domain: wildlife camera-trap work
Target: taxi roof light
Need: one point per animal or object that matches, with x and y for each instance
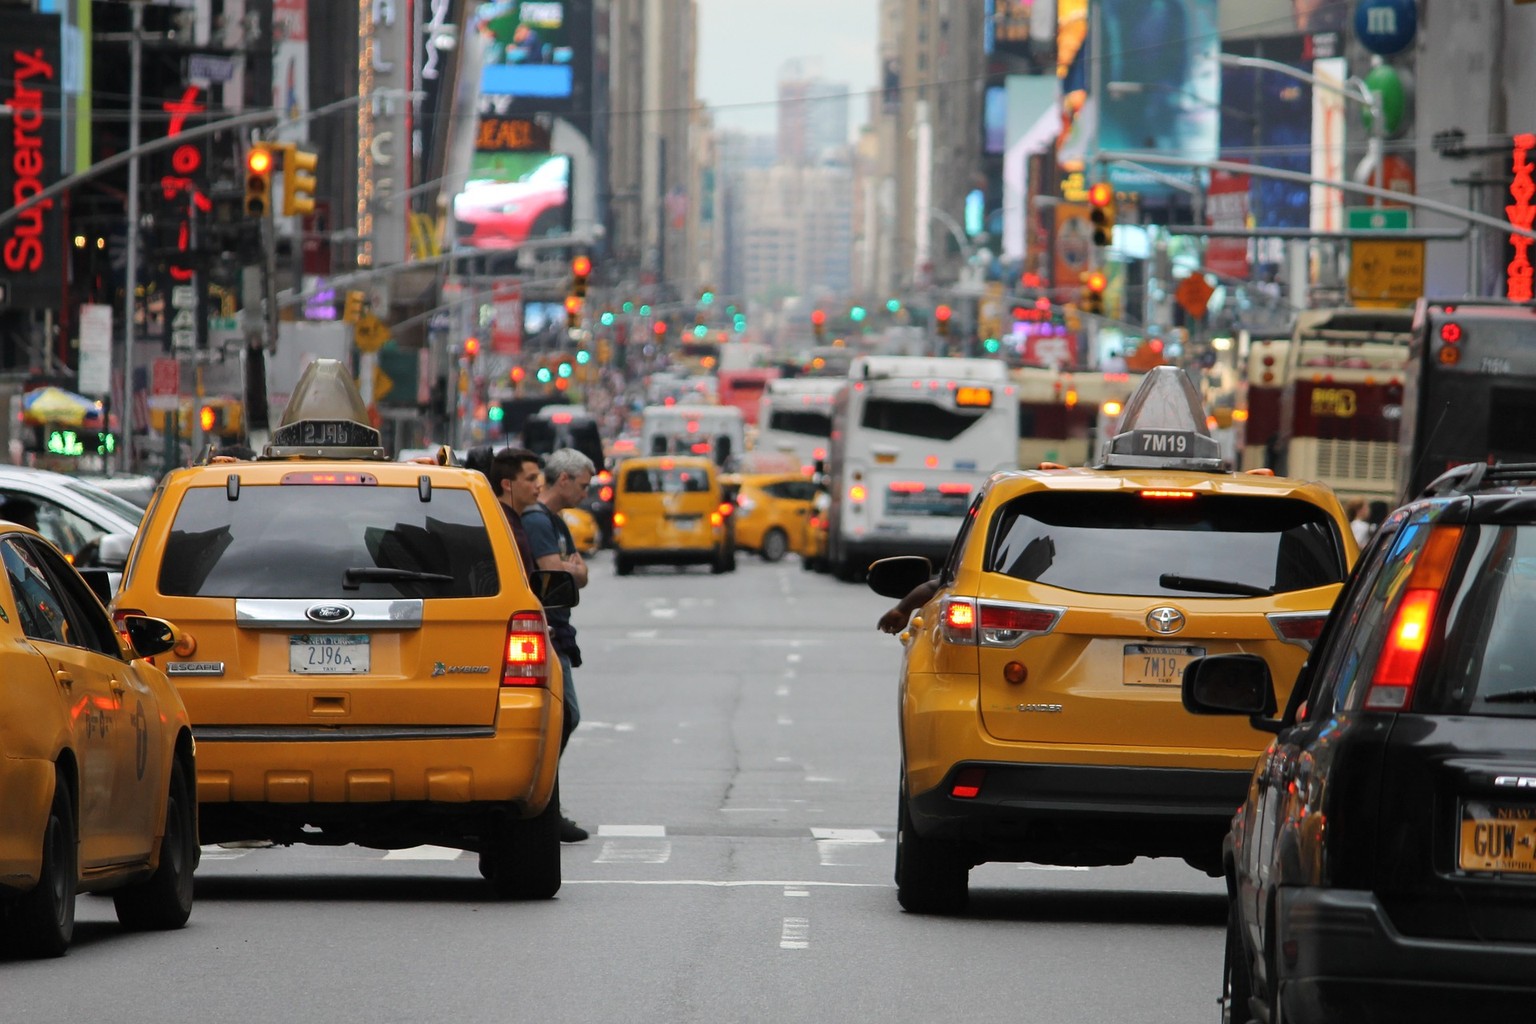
(1163, 427)
(326, 418)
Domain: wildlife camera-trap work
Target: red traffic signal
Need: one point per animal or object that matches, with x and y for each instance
(1101, 194)
(258, 160)
(471, 347)
(818, 317)
(581, 266)
(1096, 281)
(942, 314)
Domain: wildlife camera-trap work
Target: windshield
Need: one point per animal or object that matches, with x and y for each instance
(677, 480)
(1204, 546)
(300, 542)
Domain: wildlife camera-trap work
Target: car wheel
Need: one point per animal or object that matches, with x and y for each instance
(1236, 983)
(622, 566)
(164, 900)
(43, 921)
(524, 858)
(932, 877)
(775, 545)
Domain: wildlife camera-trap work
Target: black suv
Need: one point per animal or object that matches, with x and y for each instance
(1383, 866)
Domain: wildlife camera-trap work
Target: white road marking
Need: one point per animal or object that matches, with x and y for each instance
(821, 778)
(424, 853)
(1051, 867)
(782, 691)
(796, 933)
(791, 658)
(848, 835)
(664, 613)
(632, 831)
(716, 884)
(591, 726)
(843, 847)
(220, 853)
(641, 634)
(656, 852)
(796, 892)
(786, 720)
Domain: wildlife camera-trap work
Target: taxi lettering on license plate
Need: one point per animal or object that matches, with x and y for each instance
(337, 654)
(1157, 664)
(1498, 838)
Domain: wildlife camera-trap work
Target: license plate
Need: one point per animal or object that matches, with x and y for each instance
(1157, 664)
(683, 522)
(1498, 837)
(328, 654)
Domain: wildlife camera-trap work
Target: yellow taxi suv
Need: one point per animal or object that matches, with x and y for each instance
(773, 513)
(1041, 715)
(96, 758)
(673, 511)
(363, 659)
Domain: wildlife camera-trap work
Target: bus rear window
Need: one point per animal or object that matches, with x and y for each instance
(796, 421)
(1125, 543)
(917, 419)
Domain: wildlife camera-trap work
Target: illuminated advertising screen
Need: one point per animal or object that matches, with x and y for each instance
(511, 198)
(530, 50)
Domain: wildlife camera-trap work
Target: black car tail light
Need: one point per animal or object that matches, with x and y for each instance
(1397, 668)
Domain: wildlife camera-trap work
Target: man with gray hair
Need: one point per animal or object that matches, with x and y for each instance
(567, 474)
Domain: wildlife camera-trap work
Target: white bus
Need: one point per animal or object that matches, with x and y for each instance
(717, 431)
(795, 419)
(913, 440)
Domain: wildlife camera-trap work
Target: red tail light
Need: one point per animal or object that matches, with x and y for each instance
(1299, 628)
(959, 620)
(1007, 625)
(1397, 669)
(724, 509)
(527, 651)
(967, 783)
(907, 487)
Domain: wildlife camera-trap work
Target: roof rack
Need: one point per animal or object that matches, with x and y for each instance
(1477, 476)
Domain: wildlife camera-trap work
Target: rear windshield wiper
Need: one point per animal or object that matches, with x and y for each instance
(1524, 695)
(376, 574)
(1173, 581)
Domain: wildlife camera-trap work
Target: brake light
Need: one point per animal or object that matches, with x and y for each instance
(1168, 495)
(619, 519)
(527, 651)
(1397, 669)
(1008, 625)
(605, 494)
(857, 493)
(954, 488)
(907, 487)
(959, 620)
(1299, 628)
(120, 617)
(725, 509)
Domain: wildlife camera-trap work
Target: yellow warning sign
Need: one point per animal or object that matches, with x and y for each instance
(1386, 273)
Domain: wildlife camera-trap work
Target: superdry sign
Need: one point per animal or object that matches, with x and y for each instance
(31, 246)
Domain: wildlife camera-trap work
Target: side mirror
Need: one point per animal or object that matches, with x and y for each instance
(555, 588)
(1229, 684)
(149, 636)
(895, 577)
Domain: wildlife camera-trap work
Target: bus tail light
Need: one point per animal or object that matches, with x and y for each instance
(857, 493)
(907, 487)
(1397, 669)
(954, 488)
(527, 651)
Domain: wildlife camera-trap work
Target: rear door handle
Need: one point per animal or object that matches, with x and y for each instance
(64, 679)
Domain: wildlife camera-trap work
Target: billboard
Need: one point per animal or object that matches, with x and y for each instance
(530, 51)
(1161, 82)
(31, 245)
(513, 197)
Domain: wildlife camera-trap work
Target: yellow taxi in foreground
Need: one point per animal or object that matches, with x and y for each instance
(364, 660)
(1041, 717)
(96, 761)
(773, 513)
(671, 509)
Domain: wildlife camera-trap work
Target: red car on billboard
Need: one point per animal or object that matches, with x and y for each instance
(493, 214)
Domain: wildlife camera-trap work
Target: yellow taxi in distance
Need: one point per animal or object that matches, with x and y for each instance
(364, 660)
(96, 758)
(673, 510)
(583, 529)
(773, 513)
(1041, 717)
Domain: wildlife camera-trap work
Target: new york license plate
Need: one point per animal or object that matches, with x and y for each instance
(1157, 664)
(1498, 837)
(333, 654)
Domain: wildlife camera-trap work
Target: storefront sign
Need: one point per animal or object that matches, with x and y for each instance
(31, 246)
(1521, 214)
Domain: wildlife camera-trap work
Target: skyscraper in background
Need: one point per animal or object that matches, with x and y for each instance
(813, 116)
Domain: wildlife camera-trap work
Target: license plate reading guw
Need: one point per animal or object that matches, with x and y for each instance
(339, 654)
(1498, 837)
(1157, 664)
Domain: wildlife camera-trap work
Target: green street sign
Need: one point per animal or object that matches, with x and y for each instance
(1379, 218)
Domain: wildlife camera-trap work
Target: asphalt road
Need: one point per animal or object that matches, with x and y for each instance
(737, 766)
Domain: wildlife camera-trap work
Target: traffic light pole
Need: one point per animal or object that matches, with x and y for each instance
(131, 271)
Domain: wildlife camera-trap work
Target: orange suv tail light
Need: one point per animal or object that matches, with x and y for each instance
(995, 625)
(527, 651)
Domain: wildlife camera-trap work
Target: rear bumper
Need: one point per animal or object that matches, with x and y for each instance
(1351, 963)
(1084, 814)
(670, 556)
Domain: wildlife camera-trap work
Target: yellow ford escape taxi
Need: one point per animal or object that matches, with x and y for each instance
(364, 660)
(1041, 717)
(96, 758)
(671, 510)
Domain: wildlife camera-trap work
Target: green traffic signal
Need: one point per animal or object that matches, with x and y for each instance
(893, 306)
(583, 357)
(629, 307)
(700, 331)
(565, 369)
(544, 375)
(857, 314)
(495, 413)
(992, 345)
(607, 318)
(645, 310)
(706, 298)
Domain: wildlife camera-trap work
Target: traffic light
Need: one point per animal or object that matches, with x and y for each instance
(857, 314)
(893, 305)
(298, 181)
(819, 323)
(258, 180)
(581, 269)
(471, 347)
(1094, 283)
(573, 311)
(1101, 197)
(207, 419)
(941, 316)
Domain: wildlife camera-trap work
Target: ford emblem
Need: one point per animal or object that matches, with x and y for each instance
(329, 613)
(1165, 620)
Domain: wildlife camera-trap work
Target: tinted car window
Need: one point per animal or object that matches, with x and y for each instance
(298, 542)
(916, 419)
(1126, 543)
(40, 609)
(665, 481)
(791, 421)
(1485, 669)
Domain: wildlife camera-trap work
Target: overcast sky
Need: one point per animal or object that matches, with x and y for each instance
(744, 43)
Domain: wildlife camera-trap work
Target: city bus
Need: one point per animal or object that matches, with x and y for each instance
(563, 426)
(717, 431)
(1341, 399)
(913, 440)
(1469, 392)
(795, 418)
(1064, 416)
(1262, 390)
(744, 389)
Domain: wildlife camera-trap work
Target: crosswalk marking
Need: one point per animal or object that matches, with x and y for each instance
(796, 933)
(635, 852)
(424, 853)
(632, 831)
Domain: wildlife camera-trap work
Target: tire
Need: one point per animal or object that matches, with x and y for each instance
(164, 900)
(42, 922)
(775, 545)
(1236, 981)
(524, 859)
(622, 566)
(932, 877)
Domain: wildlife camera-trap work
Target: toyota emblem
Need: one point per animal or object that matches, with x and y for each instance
(329, 613)
(1165, 620)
